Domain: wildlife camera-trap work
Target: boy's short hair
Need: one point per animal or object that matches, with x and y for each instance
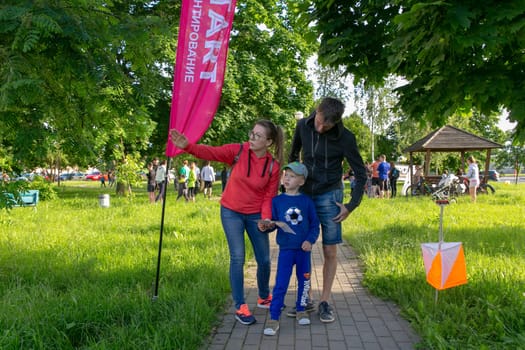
(297, 168)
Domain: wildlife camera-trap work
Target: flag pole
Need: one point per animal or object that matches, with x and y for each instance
(156, 289)
(441, 204)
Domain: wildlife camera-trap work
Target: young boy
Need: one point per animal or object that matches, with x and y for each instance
(297, 211)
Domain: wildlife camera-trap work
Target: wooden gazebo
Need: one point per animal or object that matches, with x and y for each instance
(450, 139)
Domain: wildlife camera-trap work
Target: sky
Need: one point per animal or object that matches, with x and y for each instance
(504, 124)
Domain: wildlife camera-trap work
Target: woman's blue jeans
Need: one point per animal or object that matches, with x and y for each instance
(234, 225)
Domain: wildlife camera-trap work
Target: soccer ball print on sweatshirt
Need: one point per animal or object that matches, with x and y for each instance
(293, 216)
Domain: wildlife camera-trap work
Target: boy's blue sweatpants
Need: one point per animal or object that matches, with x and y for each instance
(285, 262)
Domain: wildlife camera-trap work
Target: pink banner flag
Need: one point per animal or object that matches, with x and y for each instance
(202, 50)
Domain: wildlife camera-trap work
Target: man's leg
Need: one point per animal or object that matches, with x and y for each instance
(327, 209)
(329, 270)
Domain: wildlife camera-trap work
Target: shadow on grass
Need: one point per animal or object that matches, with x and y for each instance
(53, 301)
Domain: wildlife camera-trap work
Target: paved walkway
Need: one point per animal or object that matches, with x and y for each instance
(362, 321)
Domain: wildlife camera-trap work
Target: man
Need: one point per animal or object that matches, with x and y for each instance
(376, 182)
(160, 179)
(208, 177)
(325, 143)
(383, 170)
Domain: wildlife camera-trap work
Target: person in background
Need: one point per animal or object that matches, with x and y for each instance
(197, 179)
(418, 176)
(160, 180)
(184, 173)
(253, 182)
(383, 169)
(192, 180)
(297, 210)
(473, 177)
(208, 177)
(151, 182)
(325, 143)
(393, 176)
(376, 182)
(111, 178)
(224, 177)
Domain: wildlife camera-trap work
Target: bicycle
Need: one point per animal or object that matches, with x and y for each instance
(421, 188)
(483, 188)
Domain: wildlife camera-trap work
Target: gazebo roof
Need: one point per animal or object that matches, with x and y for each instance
(451, 139)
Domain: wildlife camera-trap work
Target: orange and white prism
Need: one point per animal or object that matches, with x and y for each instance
(444, 264)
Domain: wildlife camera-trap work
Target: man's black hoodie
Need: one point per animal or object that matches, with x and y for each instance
(323, 156)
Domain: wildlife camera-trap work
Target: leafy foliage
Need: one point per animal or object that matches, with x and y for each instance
(73, 79)
(512, 155)
(46, 189)
(456, 56)
(11, 188)
(90, 82)
(127, 174)
(266, 70)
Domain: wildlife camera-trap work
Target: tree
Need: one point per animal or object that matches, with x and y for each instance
(512, 155)
(127, 174)
(456, 56)
(361, 131)
(80, 75)
(93, 79)
(331, 82)
(376, 106)
(266, 70)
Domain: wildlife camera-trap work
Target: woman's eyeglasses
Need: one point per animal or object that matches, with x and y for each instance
(255, 136)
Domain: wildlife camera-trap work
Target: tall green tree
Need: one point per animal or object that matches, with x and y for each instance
(376, 106)
(511, 155)
(332, 82)
(92, 80)
(79, 74)
(456, 55)
(355, 123)
(266, 70)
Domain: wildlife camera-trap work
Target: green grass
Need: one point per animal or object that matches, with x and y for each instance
(74, 275)
(486, 313)
(77, 276)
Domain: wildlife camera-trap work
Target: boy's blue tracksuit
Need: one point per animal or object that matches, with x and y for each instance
(298, 211)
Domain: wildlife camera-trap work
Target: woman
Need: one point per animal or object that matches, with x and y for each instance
(192, 178)
(151, 182)
(253, 182)
(393, 175)
(473, 177)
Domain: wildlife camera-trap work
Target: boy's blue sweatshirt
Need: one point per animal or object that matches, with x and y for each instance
(298, 211)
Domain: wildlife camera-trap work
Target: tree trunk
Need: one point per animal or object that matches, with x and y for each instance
(123, 189)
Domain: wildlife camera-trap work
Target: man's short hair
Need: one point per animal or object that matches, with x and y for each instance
(332, 109)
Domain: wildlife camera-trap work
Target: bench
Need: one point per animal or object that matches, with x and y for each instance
(28, 198)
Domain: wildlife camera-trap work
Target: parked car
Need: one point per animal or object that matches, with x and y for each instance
(77, 176)
(493, 175)
(20, 178)
(66, 176)
(94, 176)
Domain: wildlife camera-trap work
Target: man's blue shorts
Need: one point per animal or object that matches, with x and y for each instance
(327, 209)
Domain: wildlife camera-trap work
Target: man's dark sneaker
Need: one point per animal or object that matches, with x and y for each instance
(326, 313)
(244, 316)
(310, 306)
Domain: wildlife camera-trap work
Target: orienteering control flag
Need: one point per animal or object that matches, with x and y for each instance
(444, 264)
